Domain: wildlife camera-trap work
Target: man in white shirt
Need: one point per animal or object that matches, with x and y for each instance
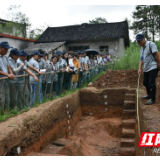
(99, 59)
(85, 66)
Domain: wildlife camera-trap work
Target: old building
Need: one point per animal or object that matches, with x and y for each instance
(12, 28)
(111, 38)
(13, 33)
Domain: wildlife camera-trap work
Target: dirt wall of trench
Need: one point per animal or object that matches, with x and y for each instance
(93, 96)
(32, 130)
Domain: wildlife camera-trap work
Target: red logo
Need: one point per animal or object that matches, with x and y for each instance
(149, 139)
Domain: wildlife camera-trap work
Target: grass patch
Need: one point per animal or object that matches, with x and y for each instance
(12, 113)
(130, 58)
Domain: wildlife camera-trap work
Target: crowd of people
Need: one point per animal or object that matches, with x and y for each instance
(62, 72)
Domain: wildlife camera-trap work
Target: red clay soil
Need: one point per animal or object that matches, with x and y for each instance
(96, 134)
(125, 78)
(128, 78)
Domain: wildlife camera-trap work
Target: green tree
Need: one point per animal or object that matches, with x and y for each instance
(97, 20)
(35, 33)
(21, 21)
(146, 20)
(22, 25)
(6, 28)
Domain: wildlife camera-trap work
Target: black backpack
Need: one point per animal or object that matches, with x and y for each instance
(152, 53)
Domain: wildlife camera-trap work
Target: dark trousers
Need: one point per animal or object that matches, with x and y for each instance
(55, 87)
(149, 82)
(67, 81)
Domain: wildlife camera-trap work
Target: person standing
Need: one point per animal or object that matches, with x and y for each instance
(62, 64)
(22, 87)
(99, 59)
(5, 71)
(42, 66)
(34, 63)
(95, 65)
(12, 60)
(85, 66)
(79, 58)
(75, 76)
(47, 77)
(55, 75)
(149, 57)
(67, 74)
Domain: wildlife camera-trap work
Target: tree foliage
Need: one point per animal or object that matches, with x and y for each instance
(36, 33)
(146, 20)
(19, 24)
(97, 20)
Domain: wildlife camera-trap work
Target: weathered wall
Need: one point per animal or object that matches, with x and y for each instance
(116, 46)
(16, 43)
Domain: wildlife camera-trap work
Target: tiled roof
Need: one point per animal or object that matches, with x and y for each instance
(44, 46)
(86, 32)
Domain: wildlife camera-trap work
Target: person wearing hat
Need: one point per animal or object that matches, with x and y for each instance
(62, 64)
(5, 71)
(42, 66)
(12, 60)
(21, 81)
(149, 57)
(55, 75)
(46, 83)
(33, 84)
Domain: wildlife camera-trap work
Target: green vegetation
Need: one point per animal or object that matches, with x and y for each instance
(130, 58)
(146, 19)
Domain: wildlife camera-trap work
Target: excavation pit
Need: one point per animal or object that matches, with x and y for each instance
(89, 122)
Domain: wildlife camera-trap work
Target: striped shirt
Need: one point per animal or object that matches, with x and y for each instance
(148, 57)
(3, 65)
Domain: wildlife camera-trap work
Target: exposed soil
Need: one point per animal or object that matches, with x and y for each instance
(125, 78)
(101, 122)
(96, 134)
(150, 115)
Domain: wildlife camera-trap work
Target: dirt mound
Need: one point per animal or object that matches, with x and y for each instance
(125, 78)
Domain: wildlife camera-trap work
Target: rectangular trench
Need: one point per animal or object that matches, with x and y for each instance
(87, 123)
